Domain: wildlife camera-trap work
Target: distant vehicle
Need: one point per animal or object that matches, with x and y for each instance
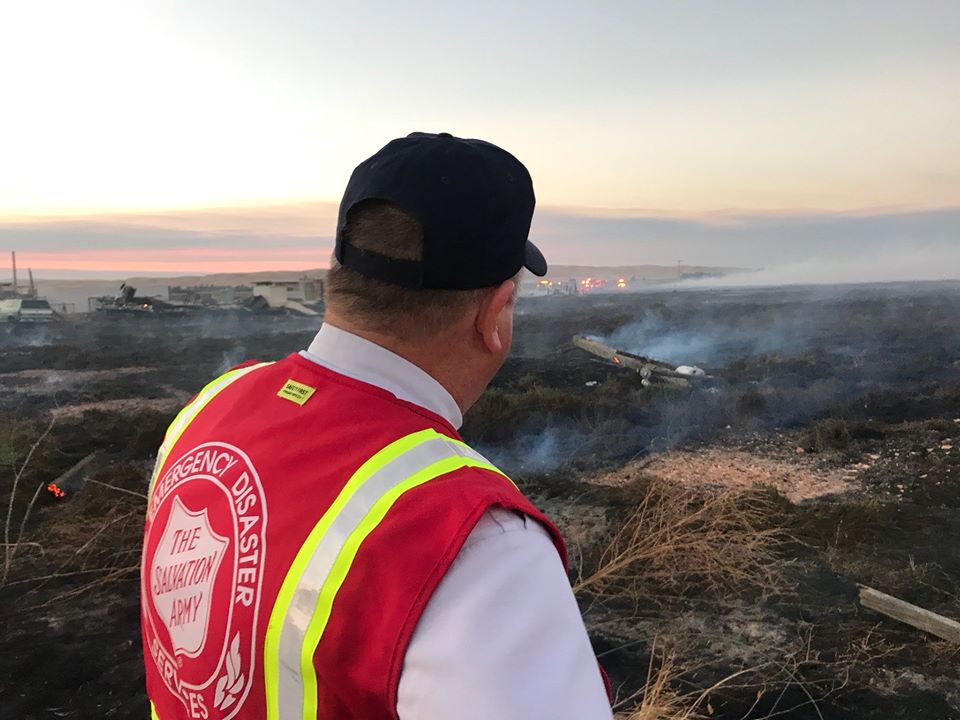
(26, 310)
(652, 372)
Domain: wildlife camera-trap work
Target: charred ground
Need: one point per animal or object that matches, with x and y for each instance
(846, 399)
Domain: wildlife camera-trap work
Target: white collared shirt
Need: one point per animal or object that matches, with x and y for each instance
(351, 355)
(502, 637)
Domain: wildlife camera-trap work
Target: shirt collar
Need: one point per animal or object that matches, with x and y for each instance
(358, 358)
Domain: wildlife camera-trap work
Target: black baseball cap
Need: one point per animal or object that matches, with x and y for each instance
(474, 202)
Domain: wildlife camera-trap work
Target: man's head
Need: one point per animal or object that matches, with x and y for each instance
(431, 242)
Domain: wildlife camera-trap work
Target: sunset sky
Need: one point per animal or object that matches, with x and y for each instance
(205, 136)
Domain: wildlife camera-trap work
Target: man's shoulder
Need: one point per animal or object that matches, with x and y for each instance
(498, 521)
(244, 364)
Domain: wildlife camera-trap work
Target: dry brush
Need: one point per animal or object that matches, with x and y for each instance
(721, 541)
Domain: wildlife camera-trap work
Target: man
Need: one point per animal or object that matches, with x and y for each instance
(320, 543)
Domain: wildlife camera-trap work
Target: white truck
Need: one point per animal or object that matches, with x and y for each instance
(26, 310)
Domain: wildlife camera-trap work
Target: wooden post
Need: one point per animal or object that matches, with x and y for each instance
(912, 615)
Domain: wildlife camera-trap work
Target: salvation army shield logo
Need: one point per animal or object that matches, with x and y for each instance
(181, 582)
(203, 560)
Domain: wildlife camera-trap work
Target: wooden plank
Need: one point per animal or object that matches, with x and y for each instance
(912, 615)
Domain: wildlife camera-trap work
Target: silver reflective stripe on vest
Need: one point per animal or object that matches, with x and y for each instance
(291, 684)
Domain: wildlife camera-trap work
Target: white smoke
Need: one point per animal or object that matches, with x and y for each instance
(904, 263)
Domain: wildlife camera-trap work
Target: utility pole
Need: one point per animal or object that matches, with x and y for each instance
(13, 257)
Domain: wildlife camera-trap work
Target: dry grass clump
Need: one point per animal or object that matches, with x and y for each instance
(79, 544)
(795, 678)
(13, 531)
(659, 698)
(86, 555)
(721, 542)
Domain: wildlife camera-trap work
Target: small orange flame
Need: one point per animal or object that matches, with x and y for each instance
(57, 492)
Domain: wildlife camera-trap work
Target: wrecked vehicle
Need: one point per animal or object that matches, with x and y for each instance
(652, 372)
(127, 302)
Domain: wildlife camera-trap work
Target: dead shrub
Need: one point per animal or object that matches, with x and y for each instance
(839, 434)
(721, 542)
(829, 434)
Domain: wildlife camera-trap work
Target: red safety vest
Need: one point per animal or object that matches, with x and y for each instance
(298, 523)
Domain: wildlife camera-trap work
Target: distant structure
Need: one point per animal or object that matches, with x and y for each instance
(210, 295)
(568, 287)
(576, 286)
(590, 284)
(23, 306)
(304, 290)
(552, 287)
(13, 289)
(290, 296)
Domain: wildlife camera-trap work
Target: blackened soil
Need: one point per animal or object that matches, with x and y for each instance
(77, 658)
(851, 376)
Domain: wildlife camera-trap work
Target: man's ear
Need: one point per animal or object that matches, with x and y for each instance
(489, 315)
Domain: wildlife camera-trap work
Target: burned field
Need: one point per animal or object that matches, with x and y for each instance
(718, 533)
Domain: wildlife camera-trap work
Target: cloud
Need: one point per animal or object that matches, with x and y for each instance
(798, 247)
(282, 237)
(745, 240)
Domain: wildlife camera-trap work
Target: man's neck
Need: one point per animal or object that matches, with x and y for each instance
(439, 362)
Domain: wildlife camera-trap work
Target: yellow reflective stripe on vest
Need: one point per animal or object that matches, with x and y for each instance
(306, 597)
(189, 413)
(292, 579)
(153, 712)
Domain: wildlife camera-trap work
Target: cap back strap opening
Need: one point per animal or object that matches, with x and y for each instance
(406, 273)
